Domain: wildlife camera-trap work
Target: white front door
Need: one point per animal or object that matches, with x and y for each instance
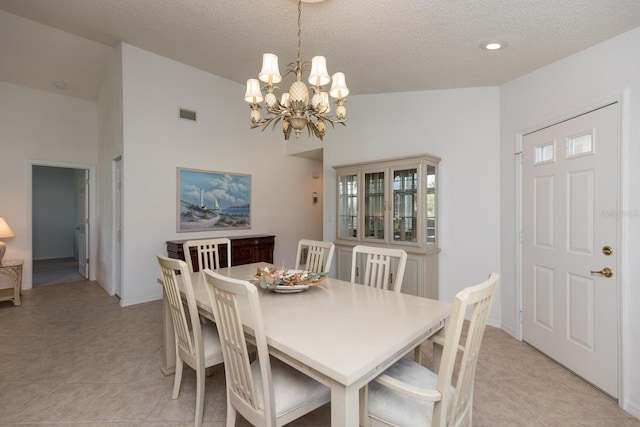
(569, 237)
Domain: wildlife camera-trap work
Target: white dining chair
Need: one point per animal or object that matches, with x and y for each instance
(208, 251)
(378, 266)
(266, 392)
(319, 255)
(197, 345)
(408, 394)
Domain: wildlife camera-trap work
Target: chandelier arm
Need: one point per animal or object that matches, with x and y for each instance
(275, 121)
(277, 116)
(266, 122)
(327, 118)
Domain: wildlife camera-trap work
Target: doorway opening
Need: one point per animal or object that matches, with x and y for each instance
(59, 225)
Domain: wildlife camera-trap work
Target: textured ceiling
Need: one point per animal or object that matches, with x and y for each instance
(381, 45)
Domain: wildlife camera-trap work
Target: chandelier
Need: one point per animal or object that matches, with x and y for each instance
(296, 109)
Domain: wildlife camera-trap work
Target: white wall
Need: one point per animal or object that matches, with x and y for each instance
(572, 85)
(110, 141)
(462, 127)
(38, 127)
(156, 142)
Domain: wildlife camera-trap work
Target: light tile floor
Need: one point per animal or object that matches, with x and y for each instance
(55, 271)
(70, 355)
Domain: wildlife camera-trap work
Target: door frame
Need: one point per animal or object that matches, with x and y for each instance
(92, 217)
(622, 240)
(116, 227)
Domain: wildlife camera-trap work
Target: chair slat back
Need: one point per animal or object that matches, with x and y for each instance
(208, 251)
(179, 317)
(477, 299)
(316, 261)
(378, 267)
(227, 297)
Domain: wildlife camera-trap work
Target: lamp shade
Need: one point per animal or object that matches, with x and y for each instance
(319, 75)
(5, 230)
(253, 93)
(326, 106)
(339, 86)
(285, 99)
(270, 72)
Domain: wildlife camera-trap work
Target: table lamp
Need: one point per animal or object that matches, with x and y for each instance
(5, 232)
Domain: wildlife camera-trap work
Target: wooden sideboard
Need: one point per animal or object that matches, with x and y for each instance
(244, 250)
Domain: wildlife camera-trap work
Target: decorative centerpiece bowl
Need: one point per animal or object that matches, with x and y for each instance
(284, 280)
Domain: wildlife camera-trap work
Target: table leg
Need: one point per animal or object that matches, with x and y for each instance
(364, 407)
(438, 347)
(169, 338)
(18, 288)
(345, 408)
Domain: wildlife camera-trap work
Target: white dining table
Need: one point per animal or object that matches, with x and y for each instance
(341, 334)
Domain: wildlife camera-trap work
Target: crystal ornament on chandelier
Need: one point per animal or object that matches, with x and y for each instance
(295, 108)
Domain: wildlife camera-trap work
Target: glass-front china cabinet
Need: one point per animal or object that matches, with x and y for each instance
(391, 203)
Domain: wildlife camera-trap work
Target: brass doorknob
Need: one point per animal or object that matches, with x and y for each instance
(606, 272)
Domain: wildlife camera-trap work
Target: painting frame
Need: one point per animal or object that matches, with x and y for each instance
(212, 200)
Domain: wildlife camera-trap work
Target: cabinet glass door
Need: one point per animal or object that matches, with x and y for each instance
(405, 205)
(374, 206)
(348, 206)
(431, 205)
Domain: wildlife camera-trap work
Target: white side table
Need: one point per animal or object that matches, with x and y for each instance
(12, 269)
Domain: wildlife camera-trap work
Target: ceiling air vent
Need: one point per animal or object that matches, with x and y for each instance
(187, 114)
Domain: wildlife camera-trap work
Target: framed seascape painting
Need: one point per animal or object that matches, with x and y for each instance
(213, 200)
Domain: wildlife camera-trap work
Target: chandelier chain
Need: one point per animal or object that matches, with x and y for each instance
(299, 31)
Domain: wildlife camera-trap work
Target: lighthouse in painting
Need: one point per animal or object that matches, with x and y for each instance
(202, 206)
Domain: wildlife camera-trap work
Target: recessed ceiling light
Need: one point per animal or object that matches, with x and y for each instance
(60, 85)
(493, 45)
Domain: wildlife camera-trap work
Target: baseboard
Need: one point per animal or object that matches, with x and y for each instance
(507, 329)
(632, 407)
(128, 302)
(494, 323)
